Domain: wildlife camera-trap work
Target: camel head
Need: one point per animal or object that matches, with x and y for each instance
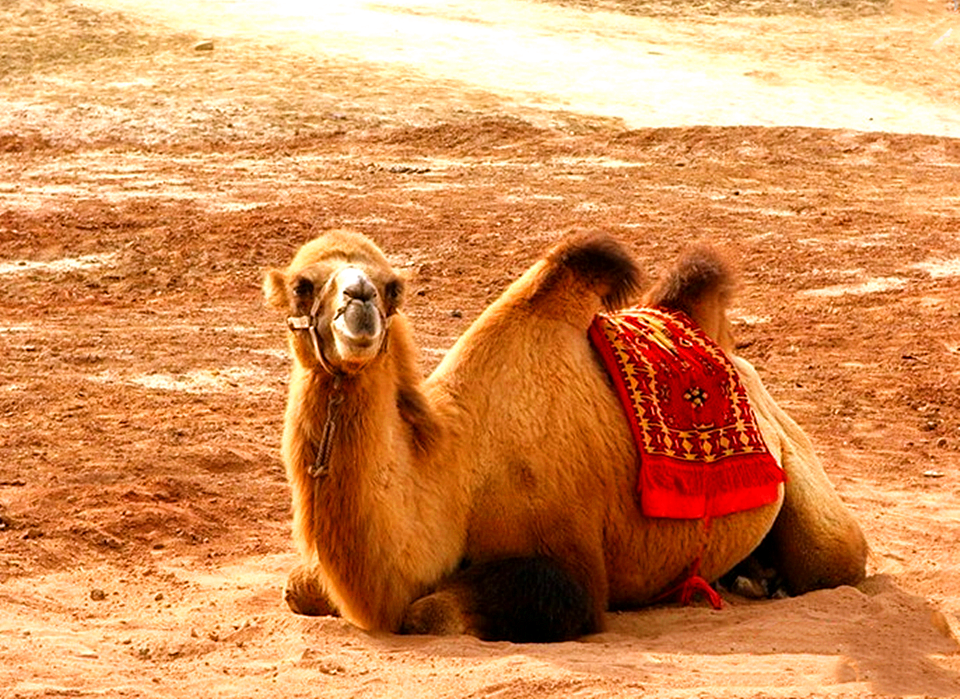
(340, 294)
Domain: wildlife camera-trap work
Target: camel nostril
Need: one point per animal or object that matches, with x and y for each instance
(360, 290)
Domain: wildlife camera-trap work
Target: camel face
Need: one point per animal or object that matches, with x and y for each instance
(340, 293)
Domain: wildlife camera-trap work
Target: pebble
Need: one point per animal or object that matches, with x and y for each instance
(748, 587)
(97, 595)
(205, 45)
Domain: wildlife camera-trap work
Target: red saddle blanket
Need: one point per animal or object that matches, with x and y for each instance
(701, 453)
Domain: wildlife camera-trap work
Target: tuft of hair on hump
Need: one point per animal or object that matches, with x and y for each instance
(700, 273)
(602, 262)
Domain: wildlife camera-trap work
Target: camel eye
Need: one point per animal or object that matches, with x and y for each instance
(302, 288)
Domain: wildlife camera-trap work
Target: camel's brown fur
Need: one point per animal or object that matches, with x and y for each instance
(516, 445)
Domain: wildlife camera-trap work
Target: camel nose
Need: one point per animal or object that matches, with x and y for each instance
(360, 289)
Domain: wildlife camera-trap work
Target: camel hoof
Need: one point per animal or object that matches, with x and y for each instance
(304, 595)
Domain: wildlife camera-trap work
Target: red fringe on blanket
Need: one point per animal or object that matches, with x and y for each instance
(701, 453)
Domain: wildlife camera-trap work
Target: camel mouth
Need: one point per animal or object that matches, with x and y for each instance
(359, 322)
(358, 334)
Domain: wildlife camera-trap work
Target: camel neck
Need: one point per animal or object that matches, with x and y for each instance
(376, 493)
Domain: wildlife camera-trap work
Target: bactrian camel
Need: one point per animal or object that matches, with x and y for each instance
(497, 497)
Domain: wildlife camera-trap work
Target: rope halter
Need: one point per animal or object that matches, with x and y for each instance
(310, 323)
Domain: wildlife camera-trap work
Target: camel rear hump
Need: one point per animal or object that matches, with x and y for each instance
(701, 284)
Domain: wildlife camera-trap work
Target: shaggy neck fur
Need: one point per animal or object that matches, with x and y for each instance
(382, 516)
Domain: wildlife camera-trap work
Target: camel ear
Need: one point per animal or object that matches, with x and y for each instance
(393, 293)
(275, 289)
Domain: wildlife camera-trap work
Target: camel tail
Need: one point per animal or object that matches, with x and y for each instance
(701, 284)
(592, 262)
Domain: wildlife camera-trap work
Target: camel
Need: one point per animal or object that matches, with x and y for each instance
(497, 497)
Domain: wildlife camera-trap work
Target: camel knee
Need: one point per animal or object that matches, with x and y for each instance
(304, 594)
(812, 558)
(522, 600)
(840, 559)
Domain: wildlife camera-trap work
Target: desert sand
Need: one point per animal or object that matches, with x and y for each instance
(146, 185)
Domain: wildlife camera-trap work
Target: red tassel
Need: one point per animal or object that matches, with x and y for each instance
(694, 584)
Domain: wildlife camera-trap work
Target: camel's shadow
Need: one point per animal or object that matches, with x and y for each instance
(878, 635)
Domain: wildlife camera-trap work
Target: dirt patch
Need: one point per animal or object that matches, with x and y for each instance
(144, 514)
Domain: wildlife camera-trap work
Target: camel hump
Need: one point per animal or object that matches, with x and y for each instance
(593, 262)
(701, 284)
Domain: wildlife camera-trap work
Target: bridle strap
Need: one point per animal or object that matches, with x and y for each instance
(309, 323)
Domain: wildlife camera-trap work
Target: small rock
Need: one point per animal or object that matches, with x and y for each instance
(455, 313)
(33, 533)
(748, 587)
(158, 597)
(97, 595)
(848, 671)
(933, 474)
(205, 45)
(942, 442)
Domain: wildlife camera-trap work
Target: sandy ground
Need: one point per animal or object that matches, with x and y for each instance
(145, 186)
